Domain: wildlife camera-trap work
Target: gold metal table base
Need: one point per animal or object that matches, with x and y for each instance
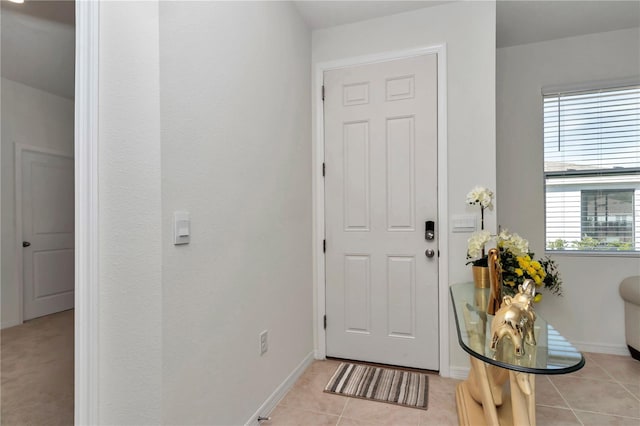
(482, 400)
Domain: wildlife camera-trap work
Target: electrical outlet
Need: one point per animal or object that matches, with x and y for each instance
(264, 342)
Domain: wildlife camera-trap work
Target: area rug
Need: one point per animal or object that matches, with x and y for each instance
(406, 388)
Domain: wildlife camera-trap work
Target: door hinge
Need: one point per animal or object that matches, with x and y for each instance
(324, 246)
(325, 322)
(323, 92)
(323, 169)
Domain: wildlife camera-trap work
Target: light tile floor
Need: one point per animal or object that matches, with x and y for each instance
(606, 391)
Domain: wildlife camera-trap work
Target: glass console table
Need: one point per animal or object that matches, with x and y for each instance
(482, 398)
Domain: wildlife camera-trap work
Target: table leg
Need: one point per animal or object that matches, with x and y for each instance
(482, 391)
(479, 397)
(523, 398)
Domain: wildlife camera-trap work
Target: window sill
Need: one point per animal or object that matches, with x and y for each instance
(586, 253)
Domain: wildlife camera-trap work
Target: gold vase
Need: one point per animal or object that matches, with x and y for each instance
(481, 276)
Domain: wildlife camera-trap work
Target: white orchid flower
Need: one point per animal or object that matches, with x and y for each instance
(482, 196)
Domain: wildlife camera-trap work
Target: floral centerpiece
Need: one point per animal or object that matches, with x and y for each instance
(482, 197)
(517, 262)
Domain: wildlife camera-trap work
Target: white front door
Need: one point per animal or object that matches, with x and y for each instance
(381, 189)
(47, 201)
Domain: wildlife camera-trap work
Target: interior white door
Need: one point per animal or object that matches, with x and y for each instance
(380, 189)
(47, 200)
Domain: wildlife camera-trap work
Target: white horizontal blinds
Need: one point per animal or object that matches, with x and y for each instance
(592, 131)
(592, 169)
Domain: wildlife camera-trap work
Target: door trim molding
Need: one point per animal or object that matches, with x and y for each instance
(86, 211)
(319, 192)
(21, 148)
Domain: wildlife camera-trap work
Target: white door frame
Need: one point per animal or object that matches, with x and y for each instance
(20, 149)
(86, 212)
(318, 188)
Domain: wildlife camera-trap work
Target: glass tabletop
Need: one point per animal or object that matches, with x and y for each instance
(553, 354)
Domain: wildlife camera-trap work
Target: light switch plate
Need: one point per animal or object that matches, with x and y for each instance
(464, 223)
(181, 228)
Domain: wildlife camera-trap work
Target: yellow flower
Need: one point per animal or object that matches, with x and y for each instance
(536, 265)
(531, 271)
(519, 272)
(537, 280)
(537, 298)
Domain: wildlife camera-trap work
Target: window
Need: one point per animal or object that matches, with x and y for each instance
(607, 217)
(592, 170)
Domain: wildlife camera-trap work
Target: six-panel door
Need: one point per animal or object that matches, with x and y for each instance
(380, 188)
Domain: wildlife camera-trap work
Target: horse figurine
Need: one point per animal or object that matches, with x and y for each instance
(515, 318)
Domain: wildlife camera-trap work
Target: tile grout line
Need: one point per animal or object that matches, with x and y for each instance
(605, 370)
(565, 401)
(621, 384)
(608, 414)
(342, 412)
(616, 380)
(611, 379)
(627, 389)
(586, 411)
(553, 406)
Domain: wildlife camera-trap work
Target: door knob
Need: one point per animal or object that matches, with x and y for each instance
(429, 253)
(26, 244)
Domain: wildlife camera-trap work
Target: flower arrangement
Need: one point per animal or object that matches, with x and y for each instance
(518, 263)
(484, 198)
(476, 248)
(507, 242)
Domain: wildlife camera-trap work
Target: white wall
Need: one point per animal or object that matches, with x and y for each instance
(130, 326)
(32, 117)
(468, 29)
(236, 154)
(591, 312)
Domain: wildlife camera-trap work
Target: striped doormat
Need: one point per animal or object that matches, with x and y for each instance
(399, 387)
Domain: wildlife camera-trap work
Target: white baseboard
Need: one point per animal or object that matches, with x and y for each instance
(8, 324)
(280, 391)
(602, 348)
(460, 373)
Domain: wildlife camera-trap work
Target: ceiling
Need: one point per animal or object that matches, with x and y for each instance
(62, 11)
(38, 45)
(323, 14)
(38, 37)
(521, 22)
